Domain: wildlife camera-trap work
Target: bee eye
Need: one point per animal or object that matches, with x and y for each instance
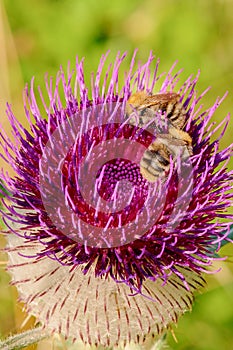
(143, 112)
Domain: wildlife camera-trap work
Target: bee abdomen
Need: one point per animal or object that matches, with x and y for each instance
(155, 163)
(176, 114)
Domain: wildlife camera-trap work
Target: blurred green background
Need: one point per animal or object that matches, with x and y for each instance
(38, 36)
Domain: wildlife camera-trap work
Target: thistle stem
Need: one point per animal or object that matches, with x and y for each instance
(19, 341)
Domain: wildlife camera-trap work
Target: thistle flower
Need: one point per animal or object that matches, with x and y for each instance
(97, 252)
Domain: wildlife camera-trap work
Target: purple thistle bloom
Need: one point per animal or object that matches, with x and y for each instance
(97, 252)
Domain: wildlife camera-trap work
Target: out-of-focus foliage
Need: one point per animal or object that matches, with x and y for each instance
(38, 36)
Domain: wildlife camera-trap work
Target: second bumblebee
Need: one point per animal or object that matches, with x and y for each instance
(163, 111)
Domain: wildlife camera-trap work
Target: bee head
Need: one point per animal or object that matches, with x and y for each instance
(135, 101)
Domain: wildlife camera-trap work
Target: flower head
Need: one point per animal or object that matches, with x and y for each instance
(97, 252)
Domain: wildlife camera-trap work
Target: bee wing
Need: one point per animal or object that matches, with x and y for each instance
(161, 99)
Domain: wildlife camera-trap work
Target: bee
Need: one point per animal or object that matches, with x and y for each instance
(142, 108)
